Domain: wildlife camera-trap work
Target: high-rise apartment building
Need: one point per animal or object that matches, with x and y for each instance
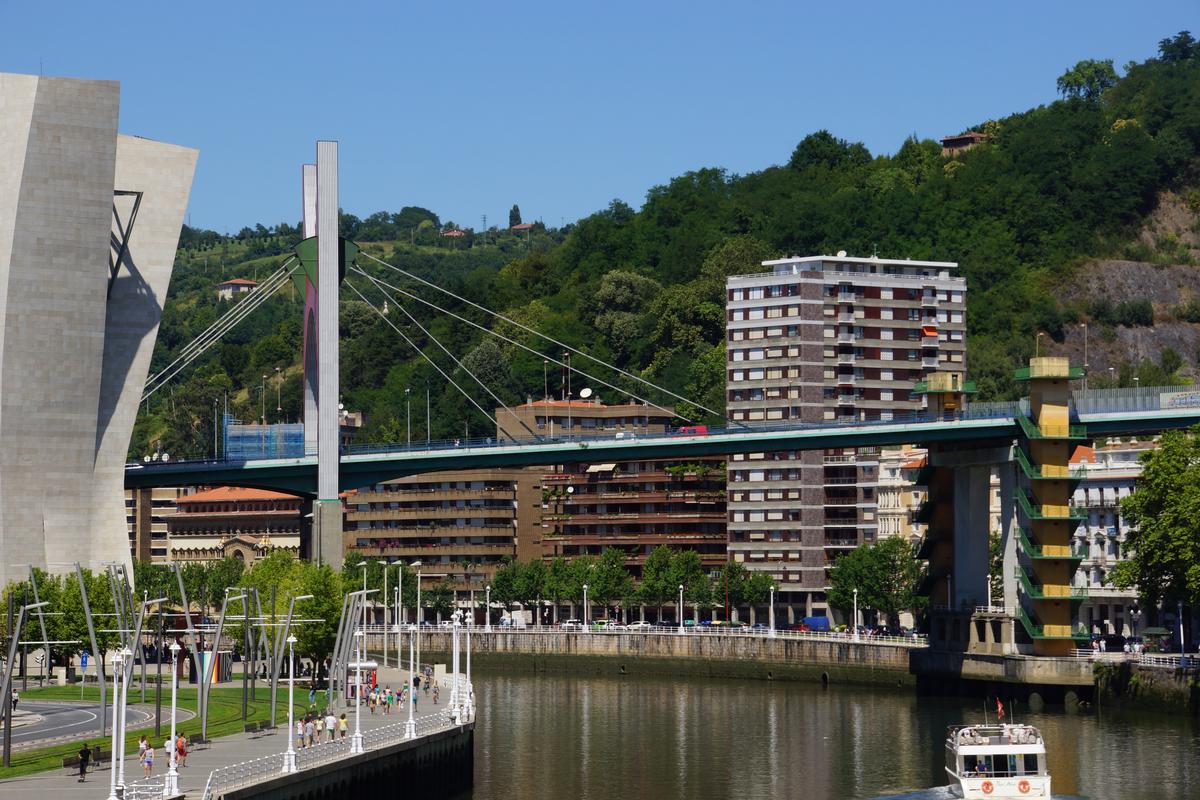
(826, 339)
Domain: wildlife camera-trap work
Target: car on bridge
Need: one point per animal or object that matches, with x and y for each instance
(691, 430)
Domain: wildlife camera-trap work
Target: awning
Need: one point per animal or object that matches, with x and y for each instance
(601, 468)
(1156, 632)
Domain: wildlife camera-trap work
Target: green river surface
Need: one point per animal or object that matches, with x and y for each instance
(595, 738)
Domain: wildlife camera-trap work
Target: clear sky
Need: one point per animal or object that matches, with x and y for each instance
(466, 108)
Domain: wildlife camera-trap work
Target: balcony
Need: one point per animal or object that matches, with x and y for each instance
(929, 300)
(841, 542)
(846, 379)
(1049, 631)
(1050, 591)
(1050, 431)
(846, 317)
(1049, 472)
(845, 399)
(930, 341)
(929, 362)
(1057, 368)
(846, 337)
(1047, 511)
(846, 358)
(1050, 552)
(847, 297)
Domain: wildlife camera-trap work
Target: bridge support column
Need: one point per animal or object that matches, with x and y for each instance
(327, 511)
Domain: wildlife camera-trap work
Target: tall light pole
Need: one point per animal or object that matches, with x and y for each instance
(854, 621)
(385, 610)
(680, 609)
(585, 608)
(410, 727)
(771, 613)
(171, 786)
(356, 740)
(417, 629)
(408, 416)
(118, 675)
(278, 393)
(487, 619)
(454, 710)
(401, 613)
(289, 756)
(1179, 613)
(426, 415)
(121, 720)
(1085, 354)
(263, 392)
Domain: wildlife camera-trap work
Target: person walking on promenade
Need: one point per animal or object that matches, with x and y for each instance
(309, 729)
(436, 692)
(343, 725)
(85, 755)
(148, 760)
(15, 697)
(181, 751)
(319, 729)
(142, 745)
(330, 724)
(300, 734)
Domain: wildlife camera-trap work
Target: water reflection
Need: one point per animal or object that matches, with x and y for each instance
(548, 736)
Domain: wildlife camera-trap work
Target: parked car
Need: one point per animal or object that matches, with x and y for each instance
(640, 626)
(572, 625)
(758, 626)
(613, 625)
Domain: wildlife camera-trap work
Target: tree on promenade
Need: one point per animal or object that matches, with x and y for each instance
(531, 585)
(688, 571)
(579, 572)
(1162, 547)
(886, 575)
(556, 584)
(728, 588)
(611, 581)
(315, 639)
(657, 587)
(505, 583)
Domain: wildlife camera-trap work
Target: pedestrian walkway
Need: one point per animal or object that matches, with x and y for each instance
(201, 760)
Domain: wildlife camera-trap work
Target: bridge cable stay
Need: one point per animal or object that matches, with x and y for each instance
(219, 328)
(432, 363)
(211, 335)
(499, 403)
(528, 329)
(382, 283)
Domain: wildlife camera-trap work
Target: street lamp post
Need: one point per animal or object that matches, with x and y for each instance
(121, 719)
(408, 417)
(118, 675)
(356, 740)
(1179, 614)
(487, 618)
(410, 727)
(585, 608)
(771, 614)
(854, 621)
(278, 392)
(454, 621)
(401, 615)
(417, 633)
(680, 609)
(171, 785)
(289, 757)
(385, 610)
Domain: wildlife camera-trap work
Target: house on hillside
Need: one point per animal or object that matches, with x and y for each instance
(952, 145)
(232, 288)
(454, 233)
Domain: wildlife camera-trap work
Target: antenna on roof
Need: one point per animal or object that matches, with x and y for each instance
(585, 393)
(874, 250)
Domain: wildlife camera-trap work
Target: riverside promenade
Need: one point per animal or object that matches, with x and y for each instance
(232, 763)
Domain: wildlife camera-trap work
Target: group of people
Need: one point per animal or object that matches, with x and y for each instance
(145, 755)
(385, 697)
(313, 729)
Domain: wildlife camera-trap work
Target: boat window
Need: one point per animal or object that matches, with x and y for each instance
(1031, 763)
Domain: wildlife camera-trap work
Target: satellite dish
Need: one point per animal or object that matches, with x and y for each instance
(146, 459)
(570, 490)
(585, 393)
(165, 456)
(841, 253)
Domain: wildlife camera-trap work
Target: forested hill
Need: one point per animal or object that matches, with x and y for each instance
(1052, 190)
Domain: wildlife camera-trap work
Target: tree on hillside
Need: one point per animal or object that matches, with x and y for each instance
(1088, 79)
(1179, 47)
(826, 150)
(514, 216)
(1163, 545)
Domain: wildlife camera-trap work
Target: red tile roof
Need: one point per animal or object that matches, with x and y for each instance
(233, 494)
(238, 282)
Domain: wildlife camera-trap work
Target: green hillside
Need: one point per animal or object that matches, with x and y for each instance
(1053, 187)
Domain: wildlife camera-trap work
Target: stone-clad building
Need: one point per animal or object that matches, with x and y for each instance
(89, 222)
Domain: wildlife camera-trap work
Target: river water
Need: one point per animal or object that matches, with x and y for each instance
(600, 738)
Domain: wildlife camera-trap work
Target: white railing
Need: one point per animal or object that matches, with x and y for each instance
(145, 789)
(991, 610)
(1162, 660)
(246, 773)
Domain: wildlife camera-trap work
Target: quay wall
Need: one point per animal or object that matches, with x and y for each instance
(435, 766)
(750, 657)
(1132, 686)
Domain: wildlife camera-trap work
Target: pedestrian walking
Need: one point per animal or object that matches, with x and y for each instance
(15, 697)
(181, 751)
(309, 729)
(85, 755)
(436, 692)
(148, 760)
(319, 729)
(331, 724)
(300, 734)
(142, 745)
(343, 725)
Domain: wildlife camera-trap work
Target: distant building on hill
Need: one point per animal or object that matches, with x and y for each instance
(454, 233)
(963, 141)
(230, 289)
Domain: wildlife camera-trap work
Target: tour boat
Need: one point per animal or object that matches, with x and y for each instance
(996, 762)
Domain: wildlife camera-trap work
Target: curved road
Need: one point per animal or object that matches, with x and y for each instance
(67, 719)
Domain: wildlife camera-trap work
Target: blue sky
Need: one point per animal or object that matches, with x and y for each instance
(466, 108)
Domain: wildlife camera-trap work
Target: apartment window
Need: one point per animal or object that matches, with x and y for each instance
(885, 313)
(885, 375)
(885, 334)
(885, 355)
(755, 293)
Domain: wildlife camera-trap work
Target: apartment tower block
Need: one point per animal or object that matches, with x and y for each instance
(827, 339)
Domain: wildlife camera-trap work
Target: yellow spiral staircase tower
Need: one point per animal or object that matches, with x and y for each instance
(1046, 558)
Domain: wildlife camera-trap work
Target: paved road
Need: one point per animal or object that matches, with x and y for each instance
(70, 719)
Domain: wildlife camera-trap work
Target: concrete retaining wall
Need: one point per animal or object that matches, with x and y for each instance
(1132, 686)
(435, 766)
(756, 657)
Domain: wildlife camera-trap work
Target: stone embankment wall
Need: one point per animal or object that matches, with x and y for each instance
(1132, 686)
(753, 657)
(439, 765)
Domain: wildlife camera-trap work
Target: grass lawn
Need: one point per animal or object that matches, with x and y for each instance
(224, 718)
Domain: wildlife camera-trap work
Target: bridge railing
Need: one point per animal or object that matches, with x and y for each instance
(1135, 398)
(246, 773)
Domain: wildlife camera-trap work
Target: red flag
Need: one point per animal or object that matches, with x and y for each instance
(999, 710)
